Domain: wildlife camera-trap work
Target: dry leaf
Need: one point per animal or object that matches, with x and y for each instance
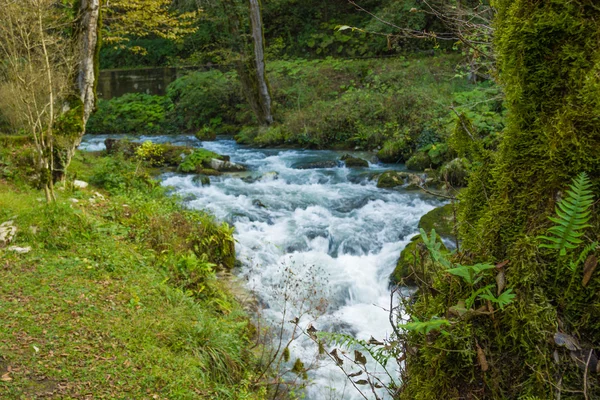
(502, 264)
(337, 358)
(500, 282)
(564, 340)
(588, 269)
(482, 360)
(359, 358)
(5, 378)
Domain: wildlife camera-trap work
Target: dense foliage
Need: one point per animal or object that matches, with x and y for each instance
(542, 345)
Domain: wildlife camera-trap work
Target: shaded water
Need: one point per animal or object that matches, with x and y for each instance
(332, 228)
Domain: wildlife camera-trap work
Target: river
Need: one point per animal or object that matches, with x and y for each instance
(331, 230)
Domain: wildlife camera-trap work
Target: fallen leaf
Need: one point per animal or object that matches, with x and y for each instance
(362, 382)
(502, 264)
(588, 269)
(562, 339)
(482, 360)
(354, 375)
(6, 378)
(500, 282)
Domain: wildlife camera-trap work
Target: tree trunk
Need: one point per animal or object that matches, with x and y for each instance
(73, 121)
(251, 63)
(264, 97)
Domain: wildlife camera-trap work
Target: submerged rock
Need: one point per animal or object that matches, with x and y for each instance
(258, 203)
(354, 162)
(204, 180)
(316, 165)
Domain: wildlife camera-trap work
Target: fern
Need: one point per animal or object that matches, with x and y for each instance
(572, 216)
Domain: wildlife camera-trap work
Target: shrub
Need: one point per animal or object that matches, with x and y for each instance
(199, 159)
(205, 98)
(132, 113)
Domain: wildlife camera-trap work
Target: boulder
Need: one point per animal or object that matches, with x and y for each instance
(354, 162)
(225, 166)
(442, 220)
(419, 162)
(20, 250)
(201, 179)
(455, 172)
(413, 263)
(391, 179)
(316, 165)
(7, 233)
(80, 184)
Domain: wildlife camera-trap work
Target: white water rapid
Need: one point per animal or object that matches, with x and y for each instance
(333, 223)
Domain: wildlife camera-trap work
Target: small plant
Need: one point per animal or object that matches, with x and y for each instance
(572, 216)
(151, 153)
(198, 159)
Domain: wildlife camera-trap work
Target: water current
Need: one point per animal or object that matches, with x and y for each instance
(330, 228)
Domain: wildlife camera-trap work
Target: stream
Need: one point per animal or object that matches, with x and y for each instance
(329, 230)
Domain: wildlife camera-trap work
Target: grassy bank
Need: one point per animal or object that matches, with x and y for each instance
(118, 297)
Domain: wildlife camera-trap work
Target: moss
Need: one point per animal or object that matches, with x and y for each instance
(390, 179)
(15, 140)
(441, 219)
(455, 172)
(413, 265)
(206, 134)
(198, 160)
(394, 151)
(419, 161)
(354, 162)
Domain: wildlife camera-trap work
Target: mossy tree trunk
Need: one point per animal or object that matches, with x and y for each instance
(548, 62)
(78, 108)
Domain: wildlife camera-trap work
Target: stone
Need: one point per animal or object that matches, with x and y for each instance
(412, 263)
(258, 203)
(204, 180)
(442, 220)
(316, 165)
(354, 162)
(20, 250)
(7, 233)
(225, 166)
(391, 179)
(80, 184)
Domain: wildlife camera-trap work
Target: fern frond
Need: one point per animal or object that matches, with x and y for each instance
(572, 216)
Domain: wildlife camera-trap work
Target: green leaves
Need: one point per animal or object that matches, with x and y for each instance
(424, 327)
(572, 216)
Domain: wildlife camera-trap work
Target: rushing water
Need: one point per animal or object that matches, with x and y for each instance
(333, 223)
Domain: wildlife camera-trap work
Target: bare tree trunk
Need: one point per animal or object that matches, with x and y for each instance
(264, 96)
(251, 64)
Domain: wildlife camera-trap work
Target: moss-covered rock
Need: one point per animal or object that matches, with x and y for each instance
(455, 172)
(354, 162)
(442, 220)
(197, 160)
(206, 134)
(394, 151)
(390, 179)
(419, 162)
(413, 263)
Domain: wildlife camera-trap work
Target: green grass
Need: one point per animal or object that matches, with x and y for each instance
(105, 306)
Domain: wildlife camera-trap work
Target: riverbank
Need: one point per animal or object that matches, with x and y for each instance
(112, 291)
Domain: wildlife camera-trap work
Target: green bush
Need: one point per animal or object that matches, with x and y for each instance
(205, 98)
(136, 113)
